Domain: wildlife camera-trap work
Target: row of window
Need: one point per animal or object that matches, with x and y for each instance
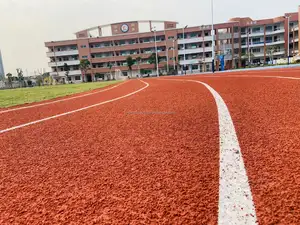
(123, 63)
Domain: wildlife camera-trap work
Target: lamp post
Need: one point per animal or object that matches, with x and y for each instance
(153, 29)
(184, 50)
(174, 60)
(213, 36)
(249, 53)
(288, 46)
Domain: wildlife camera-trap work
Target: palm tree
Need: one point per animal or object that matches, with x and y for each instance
(270, 52)
(84, 67)
(152, 60)
(20, 76)
(138, 61)
(9, 79)
(67, 71)
(130, 63)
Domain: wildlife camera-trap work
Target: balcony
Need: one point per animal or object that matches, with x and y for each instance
(279, 53)
(61, 63)
(278, 31)
(194, 40)
(194, 50)
(63, 53)
(261, 43)
(63, 73)
(227, 46)
(195, 61)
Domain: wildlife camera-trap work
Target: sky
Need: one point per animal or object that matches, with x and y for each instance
(26, 24)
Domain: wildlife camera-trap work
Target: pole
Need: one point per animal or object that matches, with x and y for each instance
(288, 52)
(167, 52)
(213, 36)
(184, 52)
(157, 72)
(249, 55)
(174, 61)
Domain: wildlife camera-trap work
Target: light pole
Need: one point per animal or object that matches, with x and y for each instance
(213, 36)
(288, 46)
(184, 49)
(167, 52)
(153, 29)
(249, 53)
(174, 60)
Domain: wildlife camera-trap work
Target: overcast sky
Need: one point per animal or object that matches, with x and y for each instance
(26, 24)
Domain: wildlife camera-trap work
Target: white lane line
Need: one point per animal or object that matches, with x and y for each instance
(61, 100)
(74, 111)
(235, 198)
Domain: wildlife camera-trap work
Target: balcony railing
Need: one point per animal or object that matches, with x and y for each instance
(61, 63)
(62, 53)
(63, 73)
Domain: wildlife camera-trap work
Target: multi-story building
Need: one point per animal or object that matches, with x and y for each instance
(2, 74)
(240, 41)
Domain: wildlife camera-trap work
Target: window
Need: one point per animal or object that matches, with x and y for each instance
(206, 33)
(69, 78)
(171, 38)
(77, 78)
(207, 55)
(268, 39)
(256, 30)
(84, 57)
(256, 40)
(256, 50)
(83, 46)
(171, 48)
(195, 67)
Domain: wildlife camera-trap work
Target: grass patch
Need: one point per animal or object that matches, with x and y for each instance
(13, 97)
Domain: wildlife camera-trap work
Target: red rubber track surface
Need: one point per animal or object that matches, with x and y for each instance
(39, 112)
(266, 115)
(113, 164)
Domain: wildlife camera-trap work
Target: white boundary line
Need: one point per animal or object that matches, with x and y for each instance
(235, 198)
(74, 111)
(61, 100)
(236, 204)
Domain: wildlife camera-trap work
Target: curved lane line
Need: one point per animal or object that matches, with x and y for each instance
(235, 198)
(61, 100)
(74, 111)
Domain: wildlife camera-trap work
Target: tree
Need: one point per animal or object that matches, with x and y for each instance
(270, 51)
(138, 61)
(152, 60)
(9, 79)
(20, 76)
(109, 65)
(130, 62)
(84, 67)
(67, 71)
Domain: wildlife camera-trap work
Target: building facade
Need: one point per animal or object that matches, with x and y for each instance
(2, 74)
(240, 42)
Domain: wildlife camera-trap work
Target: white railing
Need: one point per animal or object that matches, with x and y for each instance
(61, 63)
(194, 50)
(194, 40)
(62, 53)
(195, 61)
(63, 73)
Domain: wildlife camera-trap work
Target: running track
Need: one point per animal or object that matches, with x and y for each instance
(222, 149)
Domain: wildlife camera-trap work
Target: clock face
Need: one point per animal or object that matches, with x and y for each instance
(124, 28)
